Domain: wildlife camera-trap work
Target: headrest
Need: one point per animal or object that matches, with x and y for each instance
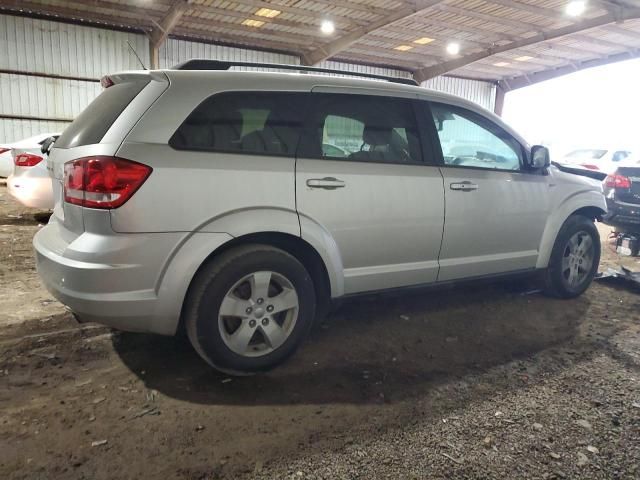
(198, 117)
(375, 135)
(230, 118)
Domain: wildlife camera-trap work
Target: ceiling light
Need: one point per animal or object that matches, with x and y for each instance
(453, 48)
(423, 40)
(327, 27)
(403, 48)
(524, 58)
(249, 22)
(501, 64)
(267, 12)
(575, 8)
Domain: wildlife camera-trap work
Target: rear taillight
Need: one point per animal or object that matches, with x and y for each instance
(102, 182)
(617, 181)
(590, 166)
(106, 82)
(4, 150)
(27, 160)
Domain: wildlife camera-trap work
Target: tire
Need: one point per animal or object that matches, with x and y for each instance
(560, 280)
(255, 337)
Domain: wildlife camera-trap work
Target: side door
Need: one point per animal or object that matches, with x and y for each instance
(362, 186)
(496, 210)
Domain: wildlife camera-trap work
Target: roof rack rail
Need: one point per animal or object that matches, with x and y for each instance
(203, 64)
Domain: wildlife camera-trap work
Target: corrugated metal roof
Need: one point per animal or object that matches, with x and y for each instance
(477, 25)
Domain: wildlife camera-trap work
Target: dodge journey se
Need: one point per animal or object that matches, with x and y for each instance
(235, 205)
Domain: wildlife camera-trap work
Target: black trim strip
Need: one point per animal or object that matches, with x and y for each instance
(49, 75)
(204, 64)
(29, 117)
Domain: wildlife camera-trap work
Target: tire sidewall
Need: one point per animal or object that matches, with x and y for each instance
(573, 225)
(207, 331)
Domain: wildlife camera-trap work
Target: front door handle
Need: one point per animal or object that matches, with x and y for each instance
(465, 186)
(328, 183)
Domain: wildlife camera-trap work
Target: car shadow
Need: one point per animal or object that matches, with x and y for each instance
(28, 219)
(375, 349)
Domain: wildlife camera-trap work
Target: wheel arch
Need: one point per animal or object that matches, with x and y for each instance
(590, 204)
(296, 246)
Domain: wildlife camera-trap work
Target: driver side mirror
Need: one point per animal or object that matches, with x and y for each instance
(540, 157)
(47, 144)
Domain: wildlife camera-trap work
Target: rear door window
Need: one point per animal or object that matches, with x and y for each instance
(258, 123)
(364, 128)
(92, 124)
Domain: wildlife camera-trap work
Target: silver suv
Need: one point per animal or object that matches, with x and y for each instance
(236, 205)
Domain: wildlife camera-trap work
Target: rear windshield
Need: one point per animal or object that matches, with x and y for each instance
(92, 124)
(586, 154)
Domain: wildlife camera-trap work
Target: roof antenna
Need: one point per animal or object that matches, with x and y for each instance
(138, 57)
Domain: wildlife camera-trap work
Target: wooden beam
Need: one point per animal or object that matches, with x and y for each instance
(304, 28)
(635, 34)
(77, 11)
(303, 12)
(434, 71)
(217, 38)
(499, 102)
(343, 42)
(532, 78)
(500, 21)
(162, 29)
(526, 7)
(215, 26)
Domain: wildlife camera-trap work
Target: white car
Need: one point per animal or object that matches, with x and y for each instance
(6, 157)
(605, 160)
(30, 182)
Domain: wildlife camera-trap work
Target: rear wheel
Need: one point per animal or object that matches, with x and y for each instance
(575, 258)
(249, 309)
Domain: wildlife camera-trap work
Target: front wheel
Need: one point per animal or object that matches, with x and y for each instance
(249, 309)
(574, 259)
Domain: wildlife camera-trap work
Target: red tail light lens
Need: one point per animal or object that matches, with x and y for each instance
(102, 182)
(617, 181)
(27, 160)
(590, 166)
(106, 82)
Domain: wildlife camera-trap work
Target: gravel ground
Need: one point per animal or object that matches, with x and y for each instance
(483, 382)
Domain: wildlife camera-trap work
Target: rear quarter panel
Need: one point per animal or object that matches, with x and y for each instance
(195, 191)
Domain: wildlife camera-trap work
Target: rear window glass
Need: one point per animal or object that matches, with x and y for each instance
(362, 128)
(92, 124)
(259, 123)
(586, 154)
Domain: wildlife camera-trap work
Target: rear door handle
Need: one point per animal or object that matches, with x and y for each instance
(465, 186)
(327, 183)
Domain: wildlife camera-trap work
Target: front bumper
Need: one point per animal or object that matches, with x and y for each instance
(623, 216)
(108, 279)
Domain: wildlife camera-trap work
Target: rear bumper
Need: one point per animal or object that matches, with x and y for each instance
(34, 192)
(623, 216)
(108, 279)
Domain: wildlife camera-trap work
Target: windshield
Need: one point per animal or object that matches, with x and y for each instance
(581, 155)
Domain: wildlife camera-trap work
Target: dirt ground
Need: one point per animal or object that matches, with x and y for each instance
(475, 383)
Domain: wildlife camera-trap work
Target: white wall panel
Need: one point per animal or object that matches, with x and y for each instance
(175, 51)
(482, 93)
(44, 97)
(351, 67)
(54, 48)
(44, 46)
(12, 130)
